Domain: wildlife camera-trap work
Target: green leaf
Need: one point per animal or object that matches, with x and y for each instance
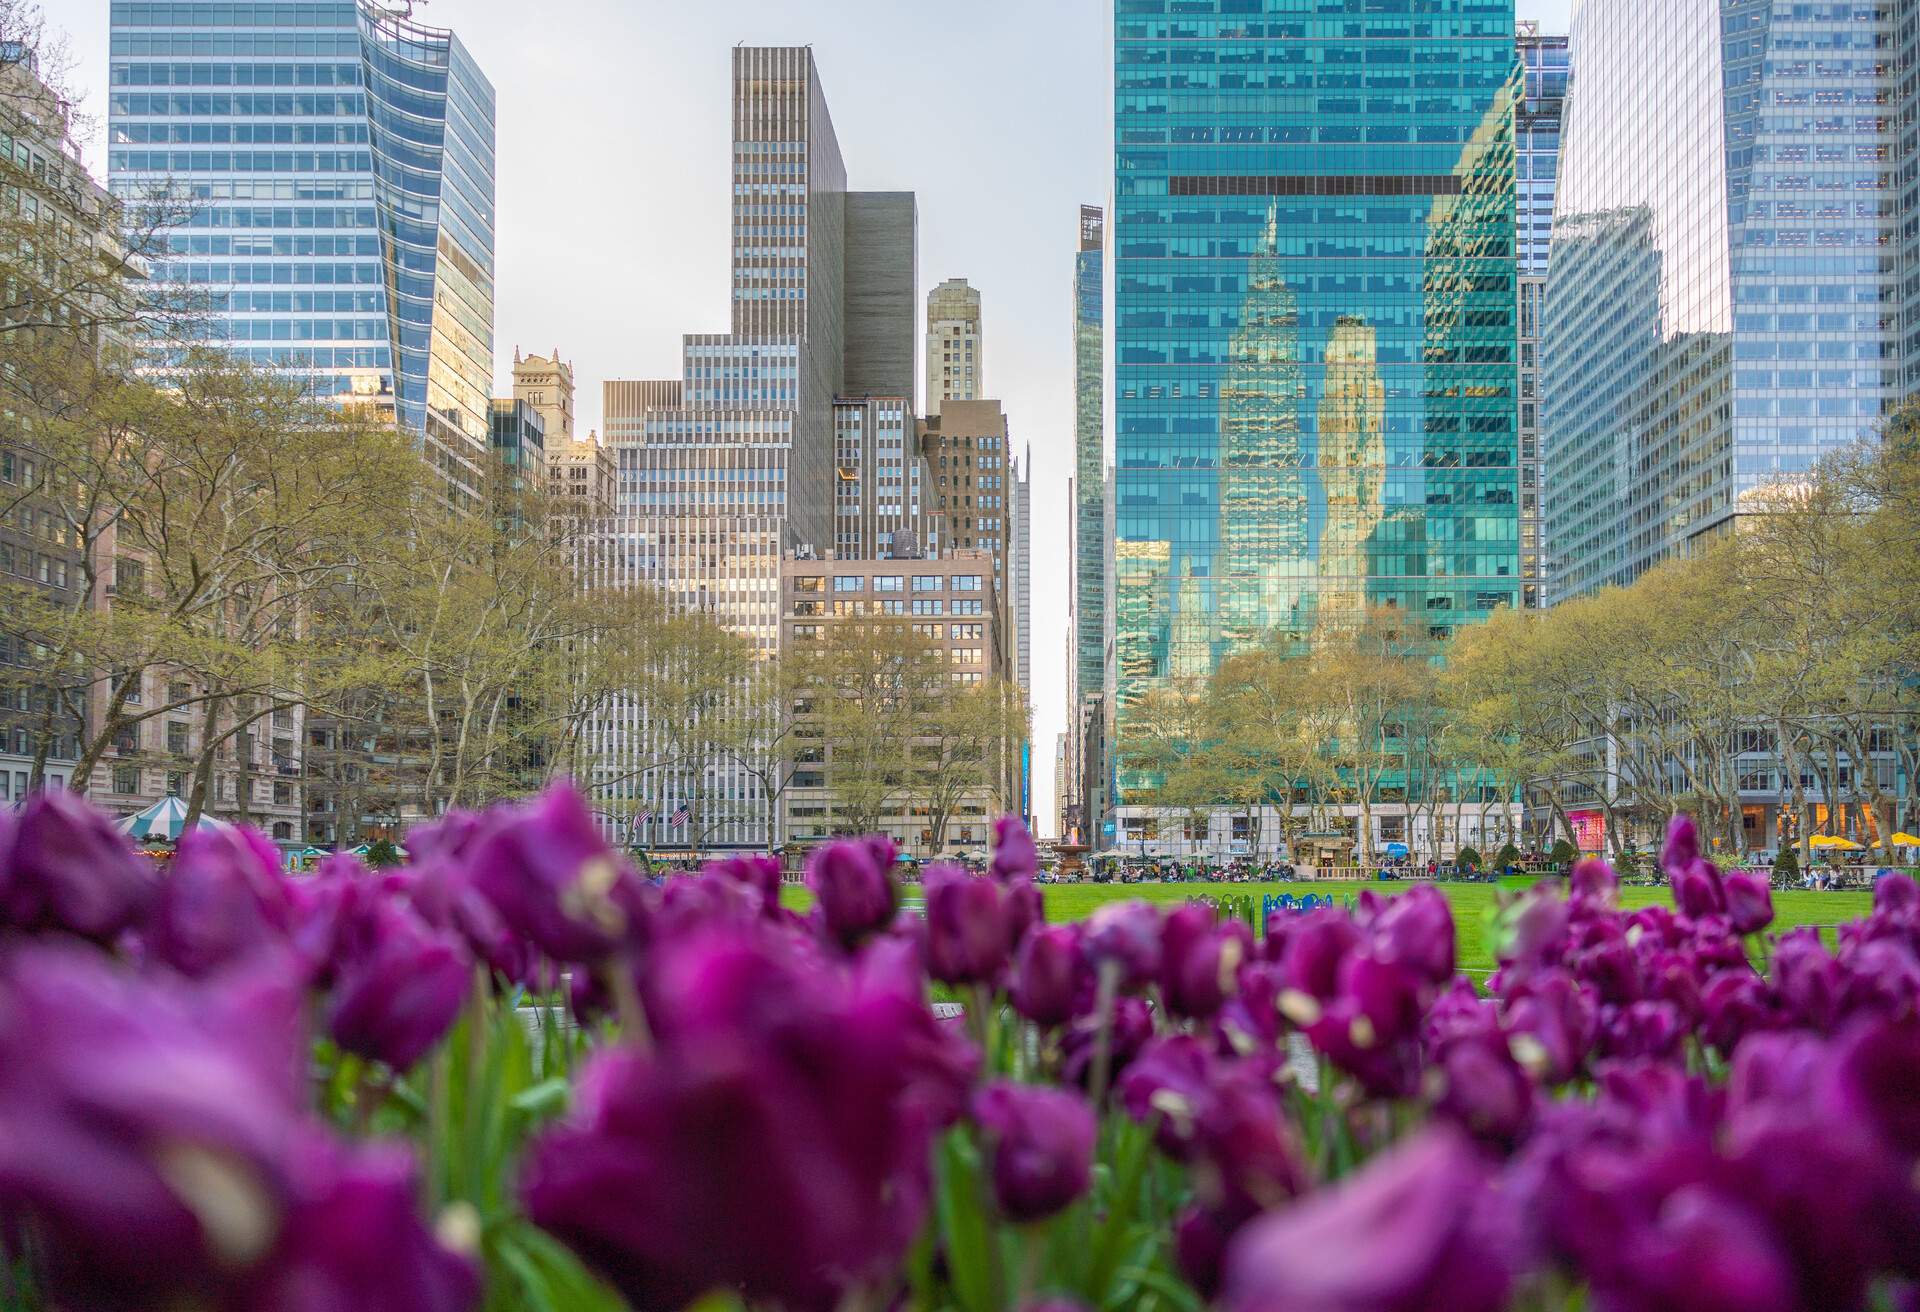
(544, 1098)
(971, 1259)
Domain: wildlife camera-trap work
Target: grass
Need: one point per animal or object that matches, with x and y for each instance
(1473, 904)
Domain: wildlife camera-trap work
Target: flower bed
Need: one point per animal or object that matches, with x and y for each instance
(224, 1087)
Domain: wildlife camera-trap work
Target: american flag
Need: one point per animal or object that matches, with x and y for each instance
(678, 818)
(643, 817)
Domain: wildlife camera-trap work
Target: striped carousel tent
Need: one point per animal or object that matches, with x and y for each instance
(163, 821)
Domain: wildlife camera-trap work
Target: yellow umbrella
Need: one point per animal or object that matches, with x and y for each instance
(1834, 840)
(1905, 840)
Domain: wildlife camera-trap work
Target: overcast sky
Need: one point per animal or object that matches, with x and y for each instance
(612, 238)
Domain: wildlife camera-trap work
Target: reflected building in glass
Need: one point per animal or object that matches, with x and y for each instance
(338, 163)
(1722, 301)
(1314, 339)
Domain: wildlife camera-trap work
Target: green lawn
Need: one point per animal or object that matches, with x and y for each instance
(1473, 904)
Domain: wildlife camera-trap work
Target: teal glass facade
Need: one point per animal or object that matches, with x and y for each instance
(336, 164)
(1313, 325)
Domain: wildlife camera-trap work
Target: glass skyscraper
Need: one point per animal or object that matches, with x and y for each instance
(1723, 302)
(337, 162)
(1314, 339)
(1536, 148)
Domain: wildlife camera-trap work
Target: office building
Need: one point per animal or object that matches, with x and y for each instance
(951, 603)
(1536, 149)
(1086, 513)
(720, 471)
(956, 351)
(966, 447)
(882, 492)
(1020, 570)
(519, 447)
(1314, 346)
(1724, 299)
(882, 294)
(1087, 597)
(338, 162)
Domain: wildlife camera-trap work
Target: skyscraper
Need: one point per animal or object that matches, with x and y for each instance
(1723, 301)
(1536, 149)
(738, 460)
(338, 160)
(1087, 597)
(956, 350)
(1314, 361)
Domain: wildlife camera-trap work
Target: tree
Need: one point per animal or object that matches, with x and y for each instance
(867, 688)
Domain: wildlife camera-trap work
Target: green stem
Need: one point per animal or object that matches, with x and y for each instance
(1104, 998)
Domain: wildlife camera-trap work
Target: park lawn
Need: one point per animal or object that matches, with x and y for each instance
(1473, 904)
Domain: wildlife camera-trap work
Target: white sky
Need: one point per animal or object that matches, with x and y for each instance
(612, 234)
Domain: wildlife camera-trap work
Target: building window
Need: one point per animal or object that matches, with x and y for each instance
(849, 583)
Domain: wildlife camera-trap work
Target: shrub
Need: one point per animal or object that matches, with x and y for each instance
(1467, 858)
(1563, 853)
(1786, 864)
(382, 854)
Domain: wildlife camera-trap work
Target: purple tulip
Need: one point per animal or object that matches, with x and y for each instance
(1808, 978)
(1246, 1159)
(223, 902)
(400, 990)
(354, 1239)
(1776, 1068)
(1874, 1083)
(1131, 1028)
(1536, 930)
(1551, 1027)
(1642, 1030)
(1896, 895)
(1200, 1240)
(1200, 961)
(1749, 902)
(1478, 1085)
(147, 1127)
(1699, 890)
(552, 877)
(855, 889)
(1314, 953)
(65, 868)
(1734, 1005)
(822, 1084)
(1593, 879)
(1401, 1235)
(1026, 908)
(452, 835)
(1014, 856)
(1416, 930)
(1041, 1147)
(1171, 1079)
(1682, 846)
(1046, 976)
(967, 937)
(760, 873)
(1124, 938)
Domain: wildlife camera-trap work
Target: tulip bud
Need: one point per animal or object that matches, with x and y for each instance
(1014, 856)
(552, 876)
(223, 901)
(65, 868)
(967, 939)
(855, 889)
(1593, 878)
(1042, 1147)
(1125, 937)
(1046, 976)
(1749, 902)
(400, 991)
(1682, 846)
